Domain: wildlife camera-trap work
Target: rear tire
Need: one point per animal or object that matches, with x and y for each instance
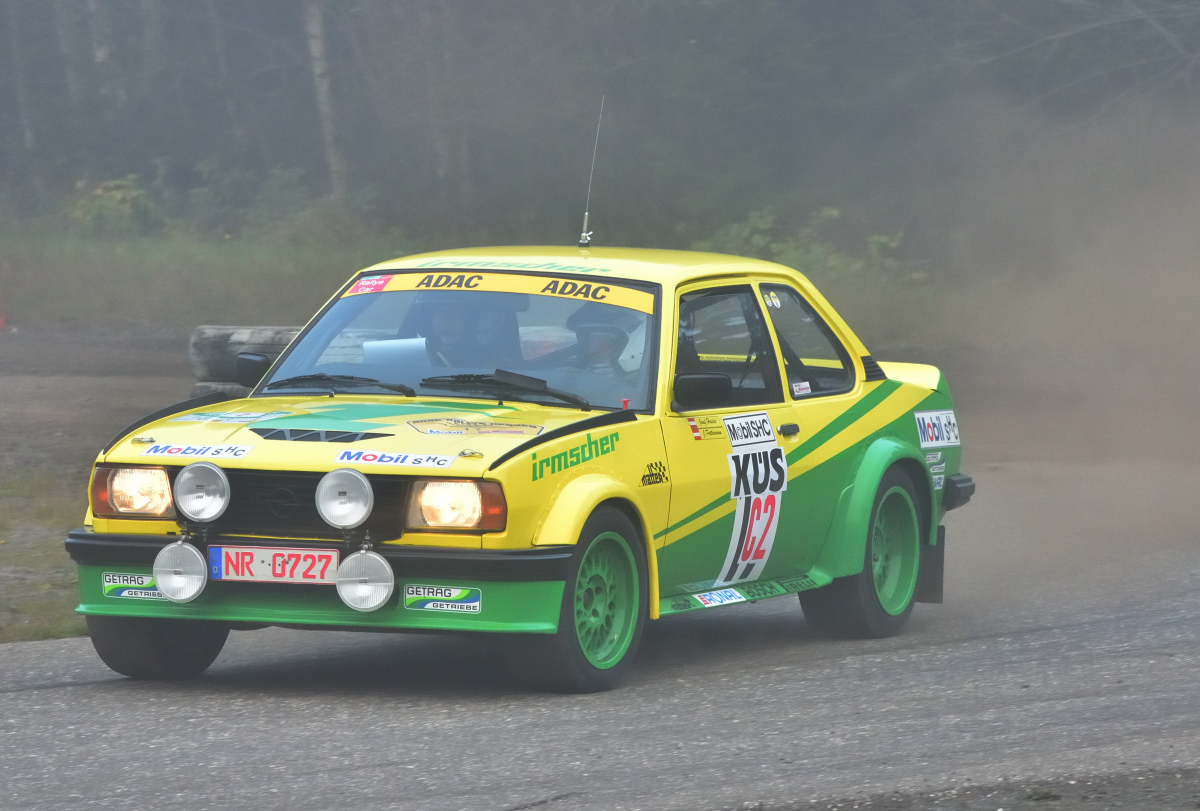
(602, 615)
(157, 649)
(878, 601)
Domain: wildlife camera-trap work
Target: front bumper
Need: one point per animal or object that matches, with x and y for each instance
(521, 590)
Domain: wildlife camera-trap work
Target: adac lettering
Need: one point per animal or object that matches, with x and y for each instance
(563, 287)
(571, 457)
(757, 480)
(461, 281)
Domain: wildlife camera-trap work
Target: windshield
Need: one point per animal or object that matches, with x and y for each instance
(591, 338)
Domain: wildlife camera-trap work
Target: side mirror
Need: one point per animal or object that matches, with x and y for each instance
(251, 367)
(701, 391)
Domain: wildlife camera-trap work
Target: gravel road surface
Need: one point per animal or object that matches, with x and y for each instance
(1067, 650)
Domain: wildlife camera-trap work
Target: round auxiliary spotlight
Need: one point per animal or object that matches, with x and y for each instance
(201, 492)
(365, 581)
(180, 572)
(345, 498)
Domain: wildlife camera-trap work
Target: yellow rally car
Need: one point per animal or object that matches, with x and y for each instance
(558, 444)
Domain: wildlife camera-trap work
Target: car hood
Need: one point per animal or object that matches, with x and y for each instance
(407, 436)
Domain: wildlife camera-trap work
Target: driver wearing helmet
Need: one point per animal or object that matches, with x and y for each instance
(601, 339)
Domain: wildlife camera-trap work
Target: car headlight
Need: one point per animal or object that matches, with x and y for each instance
(345, 498)
(201, 492)
(180, 572)
(131, 491)
(448, 504)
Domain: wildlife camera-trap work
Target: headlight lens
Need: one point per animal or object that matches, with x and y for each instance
(180, 572)
(131, 491)
(443, 504)
(365, 581)
(345, 498)
(202, 492)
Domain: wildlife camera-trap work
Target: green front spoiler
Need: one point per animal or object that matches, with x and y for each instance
(515, 607)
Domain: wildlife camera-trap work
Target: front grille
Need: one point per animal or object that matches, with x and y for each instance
(283, 504)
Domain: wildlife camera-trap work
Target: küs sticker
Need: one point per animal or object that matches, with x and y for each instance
(136, 586)
(757, 480)
(937, 429)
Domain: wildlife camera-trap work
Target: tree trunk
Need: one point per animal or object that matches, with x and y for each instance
(100, 28)
(66, 23)
(21, 91)
(314, 26)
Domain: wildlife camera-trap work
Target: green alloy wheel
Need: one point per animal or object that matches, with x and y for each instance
(878, 601)
(156, 649)
(603, 612)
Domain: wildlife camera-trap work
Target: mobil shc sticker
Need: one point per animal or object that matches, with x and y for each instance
(757, 479)
(137, 586)
(937, 429)
(394, 459)
(443, 598)
(199, 451)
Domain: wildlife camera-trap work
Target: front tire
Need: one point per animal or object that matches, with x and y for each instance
(602, 616)
(157, 649)
(878, 601)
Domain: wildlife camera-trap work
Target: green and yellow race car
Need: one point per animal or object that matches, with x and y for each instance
(556, 444)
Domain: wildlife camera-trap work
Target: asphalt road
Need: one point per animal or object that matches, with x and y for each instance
(1068, 646)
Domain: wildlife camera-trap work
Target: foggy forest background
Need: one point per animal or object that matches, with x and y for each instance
(176, 162)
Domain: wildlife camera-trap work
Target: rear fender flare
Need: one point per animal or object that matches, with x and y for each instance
(847, 545)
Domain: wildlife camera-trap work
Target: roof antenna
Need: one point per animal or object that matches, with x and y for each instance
(585, 236)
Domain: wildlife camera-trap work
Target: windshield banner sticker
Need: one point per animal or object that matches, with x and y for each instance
(205, 451)
(457, 427)
(443, 598)
(231, 416)
(758, 478)
(937, 429)
(607, 292)
(137, 586)
(394, 459)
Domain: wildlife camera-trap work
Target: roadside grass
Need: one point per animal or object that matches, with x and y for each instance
(179, 280)
(38, 585)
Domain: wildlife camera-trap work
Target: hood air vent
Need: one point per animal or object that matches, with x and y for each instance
(306, 435)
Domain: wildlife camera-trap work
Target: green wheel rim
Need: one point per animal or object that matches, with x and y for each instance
(895, 550)
(606, 600)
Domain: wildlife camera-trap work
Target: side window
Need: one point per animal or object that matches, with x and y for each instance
(722, 331)
(815, 361)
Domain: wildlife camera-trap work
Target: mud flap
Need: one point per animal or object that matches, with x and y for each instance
(933, 565)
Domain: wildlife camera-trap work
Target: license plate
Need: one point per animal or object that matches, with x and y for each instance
(272, 564)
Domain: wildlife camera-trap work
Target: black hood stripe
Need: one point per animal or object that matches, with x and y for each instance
(591, 423)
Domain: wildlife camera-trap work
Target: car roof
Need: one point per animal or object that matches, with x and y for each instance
(669, 268)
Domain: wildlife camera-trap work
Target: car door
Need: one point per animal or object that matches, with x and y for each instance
(819, 384)
(726, 465)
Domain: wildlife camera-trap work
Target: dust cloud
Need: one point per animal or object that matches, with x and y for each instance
(1077, 257)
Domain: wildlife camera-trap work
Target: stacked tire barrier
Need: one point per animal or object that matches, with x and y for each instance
(213, 351)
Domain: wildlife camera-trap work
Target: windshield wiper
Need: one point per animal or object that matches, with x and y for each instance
(500, 379)
(332, 381)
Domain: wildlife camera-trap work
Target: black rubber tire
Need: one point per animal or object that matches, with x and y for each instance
(157, 649)
(849, 608)
(556, 662)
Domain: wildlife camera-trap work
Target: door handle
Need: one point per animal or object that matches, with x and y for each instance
(788, 429)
